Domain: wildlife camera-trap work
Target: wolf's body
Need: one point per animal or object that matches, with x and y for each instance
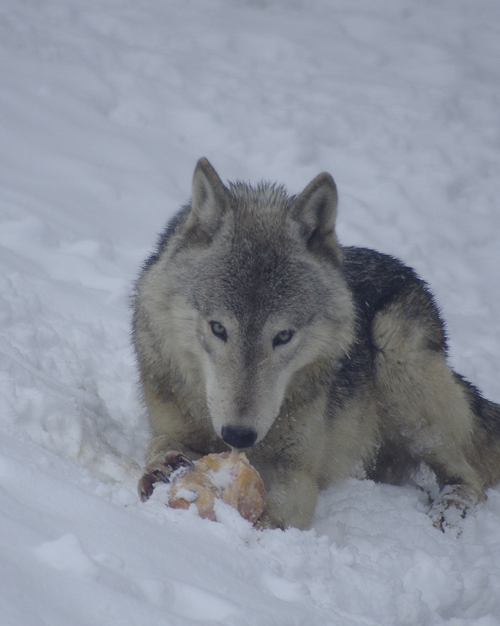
(254, 328)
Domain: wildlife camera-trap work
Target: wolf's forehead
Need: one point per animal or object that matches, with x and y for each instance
(259, 281)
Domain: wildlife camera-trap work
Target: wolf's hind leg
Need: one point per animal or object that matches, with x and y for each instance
(447, 440)
(448, 443)
(427, 410)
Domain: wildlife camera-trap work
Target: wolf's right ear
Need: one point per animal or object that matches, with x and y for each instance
(209, 200)
(316, 210)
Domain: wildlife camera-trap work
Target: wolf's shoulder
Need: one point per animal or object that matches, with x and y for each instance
(375, 279)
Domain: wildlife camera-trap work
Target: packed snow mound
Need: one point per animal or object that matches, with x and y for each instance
(105, 108)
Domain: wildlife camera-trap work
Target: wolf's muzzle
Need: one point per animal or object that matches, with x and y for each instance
(239, 436)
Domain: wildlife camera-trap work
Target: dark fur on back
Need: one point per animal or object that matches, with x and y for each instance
(376, 279)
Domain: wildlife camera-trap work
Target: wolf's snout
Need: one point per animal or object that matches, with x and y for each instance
(239, 436)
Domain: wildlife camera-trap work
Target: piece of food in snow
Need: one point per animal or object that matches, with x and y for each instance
(227, 476)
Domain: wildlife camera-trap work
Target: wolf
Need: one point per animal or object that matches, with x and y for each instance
(255, 329)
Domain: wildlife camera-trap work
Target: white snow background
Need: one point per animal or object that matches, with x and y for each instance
(105, 106)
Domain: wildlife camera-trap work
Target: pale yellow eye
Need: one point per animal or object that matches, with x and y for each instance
(219, 330)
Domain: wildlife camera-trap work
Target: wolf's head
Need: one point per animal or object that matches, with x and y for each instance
(255, 295)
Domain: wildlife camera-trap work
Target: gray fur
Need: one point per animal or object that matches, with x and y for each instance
(252, 323)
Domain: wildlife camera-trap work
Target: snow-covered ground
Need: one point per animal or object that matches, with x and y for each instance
(105, 106)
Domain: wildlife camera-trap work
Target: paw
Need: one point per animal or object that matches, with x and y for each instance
(449, 510)
(267, 522)
(447, 516)
(159, 471)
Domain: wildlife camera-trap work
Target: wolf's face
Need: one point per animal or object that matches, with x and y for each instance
(267, 295)
(248, 370)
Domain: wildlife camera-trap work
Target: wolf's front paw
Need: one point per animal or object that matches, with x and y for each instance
(159, 471)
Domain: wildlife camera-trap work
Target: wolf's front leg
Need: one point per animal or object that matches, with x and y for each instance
(290, 502)
(163, 456)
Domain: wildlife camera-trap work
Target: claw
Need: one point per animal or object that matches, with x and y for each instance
(187, 462)
(159, 472)
(161, 476)
(145, 487)
(178, 460)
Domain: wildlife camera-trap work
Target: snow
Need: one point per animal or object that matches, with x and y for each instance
(105, 106)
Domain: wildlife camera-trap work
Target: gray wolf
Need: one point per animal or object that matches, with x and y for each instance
(254, 328)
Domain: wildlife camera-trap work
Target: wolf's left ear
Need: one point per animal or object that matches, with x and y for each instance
(209, 200)
(316, 209)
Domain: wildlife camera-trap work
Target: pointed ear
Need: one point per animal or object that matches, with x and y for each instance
(209, 200)
(316, 209)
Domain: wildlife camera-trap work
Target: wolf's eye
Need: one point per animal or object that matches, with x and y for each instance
(219, 330)
(284, 336)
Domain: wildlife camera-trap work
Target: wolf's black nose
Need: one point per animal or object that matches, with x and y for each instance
(238, 436)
